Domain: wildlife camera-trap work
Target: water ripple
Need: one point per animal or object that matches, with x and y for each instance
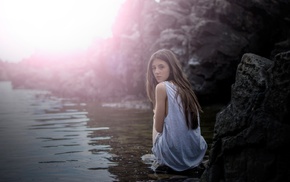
(51, 137)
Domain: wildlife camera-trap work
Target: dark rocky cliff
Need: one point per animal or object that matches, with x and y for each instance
(208, 36)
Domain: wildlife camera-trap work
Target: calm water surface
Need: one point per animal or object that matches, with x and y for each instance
(46, 138)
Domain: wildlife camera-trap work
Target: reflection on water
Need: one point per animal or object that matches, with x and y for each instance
(45, 138)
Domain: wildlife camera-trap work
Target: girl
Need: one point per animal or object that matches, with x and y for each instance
(176, 136)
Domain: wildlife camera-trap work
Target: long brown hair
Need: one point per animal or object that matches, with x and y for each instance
(188, 98)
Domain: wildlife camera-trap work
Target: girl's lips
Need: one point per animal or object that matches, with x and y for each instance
(158, 77)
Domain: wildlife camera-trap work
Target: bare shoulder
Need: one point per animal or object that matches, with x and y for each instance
(161, 87)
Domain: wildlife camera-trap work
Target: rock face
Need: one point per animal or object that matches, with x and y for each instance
(209, 36)
(251, 135)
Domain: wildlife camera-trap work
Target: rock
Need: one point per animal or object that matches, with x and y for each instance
(251, 135)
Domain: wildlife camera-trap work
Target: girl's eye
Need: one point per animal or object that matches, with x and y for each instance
(160, 66)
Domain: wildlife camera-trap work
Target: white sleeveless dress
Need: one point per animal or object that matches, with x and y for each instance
(177, 146)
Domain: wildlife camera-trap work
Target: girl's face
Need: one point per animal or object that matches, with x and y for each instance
(160, 69)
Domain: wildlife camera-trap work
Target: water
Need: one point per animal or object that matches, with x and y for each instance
(47, 138)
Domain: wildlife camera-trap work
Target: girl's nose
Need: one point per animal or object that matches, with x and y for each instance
(156, 71)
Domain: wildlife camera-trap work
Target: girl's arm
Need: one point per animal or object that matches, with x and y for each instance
(160, 106)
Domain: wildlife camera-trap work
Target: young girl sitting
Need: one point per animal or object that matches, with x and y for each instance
(176, 135)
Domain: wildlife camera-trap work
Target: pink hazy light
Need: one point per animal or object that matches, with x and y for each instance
(53, 25)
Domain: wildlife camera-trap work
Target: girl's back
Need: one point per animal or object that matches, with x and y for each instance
(177, 146)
